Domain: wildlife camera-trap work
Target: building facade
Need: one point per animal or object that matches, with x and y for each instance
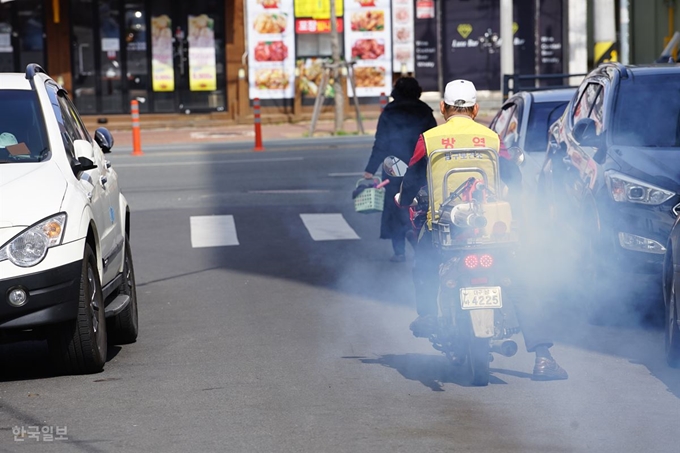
(217, 55)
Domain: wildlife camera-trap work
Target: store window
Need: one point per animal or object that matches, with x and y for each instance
(22, 38)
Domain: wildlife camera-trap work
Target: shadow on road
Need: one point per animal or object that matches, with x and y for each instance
(30, 360)
(430, 370)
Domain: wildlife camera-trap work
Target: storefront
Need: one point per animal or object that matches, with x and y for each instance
(217, 55)
(21, 35)
(168, 55)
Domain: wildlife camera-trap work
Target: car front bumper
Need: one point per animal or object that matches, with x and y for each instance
(653, 224)
(53, 297)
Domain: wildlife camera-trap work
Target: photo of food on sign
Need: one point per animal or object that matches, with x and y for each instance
(201, 32)
(270, 23)
(402, 34)
(402, 54)
(269, 3)
(271, 51)
(369, 76)
(366, 2)
(371, 20)
(368, 49)
(271, 79)
(311, 72)
(161, 35)
(402, 15)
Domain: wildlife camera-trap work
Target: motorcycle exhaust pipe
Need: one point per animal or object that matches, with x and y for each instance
(506, 348)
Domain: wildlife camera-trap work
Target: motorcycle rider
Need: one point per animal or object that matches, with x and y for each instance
(459, 107)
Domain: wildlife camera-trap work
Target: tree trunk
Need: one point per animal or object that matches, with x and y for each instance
(337, 73)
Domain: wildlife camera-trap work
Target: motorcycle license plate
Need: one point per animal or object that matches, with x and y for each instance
(481, 297)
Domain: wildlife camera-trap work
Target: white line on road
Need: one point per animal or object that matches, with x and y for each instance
(342, 175)
(328, 227)
(290, 191)
(211, 162)
(213, 231)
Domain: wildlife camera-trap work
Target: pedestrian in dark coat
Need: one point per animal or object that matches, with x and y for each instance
(399, 127)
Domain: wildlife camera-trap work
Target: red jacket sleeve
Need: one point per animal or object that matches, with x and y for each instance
(419, 152)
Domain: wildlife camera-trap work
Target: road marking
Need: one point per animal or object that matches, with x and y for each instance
(291, 191)
(211, 162)
(343, 175)
(328, 227)
(213, 231)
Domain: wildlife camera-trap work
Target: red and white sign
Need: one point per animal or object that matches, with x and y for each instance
(425, 9)
(308, 26)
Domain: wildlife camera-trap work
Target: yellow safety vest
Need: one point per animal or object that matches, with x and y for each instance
(457, 133)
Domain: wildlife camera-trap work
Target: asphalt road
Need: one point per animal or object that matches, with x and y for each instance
(288, 341)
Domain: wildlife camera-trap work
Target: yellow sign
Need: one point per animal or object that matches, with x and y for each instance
(464, 30)
(317, 9)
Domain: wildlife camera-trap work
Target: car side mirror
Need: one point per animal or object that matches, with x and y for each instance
(585, 133)
(82, 164)
(104, 139)
(516, 155)
(83, 148)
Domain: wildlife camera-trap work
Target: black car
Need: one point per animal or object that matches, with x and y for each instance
(524, 120)
(610, 181)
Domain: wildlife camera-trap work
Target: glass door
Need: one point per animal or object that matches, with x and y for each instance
(22, 38)
(188, 56)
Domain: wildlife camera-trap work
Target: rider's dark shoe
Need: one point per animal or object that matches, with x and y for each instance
(424, 326)
(547, 369)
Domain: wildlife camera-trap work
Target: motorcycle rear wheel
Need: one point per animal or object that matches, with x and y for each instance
(478, 358)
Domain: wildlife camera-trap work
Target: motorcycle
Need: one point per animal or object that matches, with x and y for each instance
(472, 230)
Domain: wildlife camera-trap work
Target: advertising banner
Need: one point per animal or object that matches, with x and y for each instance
(465, 56)
(368, 42)
(202, 70)
(426, 61)
(162, 69)
(271, 49)
(402, 35)
(550, 36)
(314, 16)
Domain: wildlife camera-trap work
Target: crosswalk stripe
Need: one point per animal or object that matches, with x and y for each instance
(328, 227)
(213, 231)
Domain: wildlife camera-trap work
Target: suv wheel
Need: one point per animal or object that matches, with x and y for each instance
(124, 327)
(79, 346)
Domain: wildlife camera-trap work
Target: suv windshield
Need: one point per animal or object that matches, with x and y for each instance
(22, 131)
(647, 112)
(542, 115)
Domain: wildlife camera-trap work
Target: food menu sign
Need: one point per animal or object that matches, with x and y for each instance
(402, 34)
(368, 42)
(271, 49)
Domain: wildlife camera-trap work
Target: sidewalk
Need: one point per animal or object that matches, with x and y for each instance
(236, 133)
(246, 133)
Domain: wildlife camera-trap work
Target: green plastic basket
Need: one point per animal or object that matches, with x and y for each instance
(370, 199)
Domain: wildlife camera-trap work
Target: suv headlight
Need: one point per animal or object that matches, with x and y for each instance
(30, 247)
(624, 188)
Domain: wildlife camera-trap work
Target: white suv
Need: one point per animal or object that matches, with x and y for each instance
(66, 271)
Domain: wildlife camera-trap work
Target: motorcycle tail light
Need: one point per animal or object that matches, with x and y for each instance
(471, 261)
(486, 261)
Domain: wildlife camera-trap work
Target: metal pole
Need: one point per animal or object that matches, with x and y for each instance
(605, 30)
(578, 39)
(507, 45)
(339, 92)
(624, 21)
